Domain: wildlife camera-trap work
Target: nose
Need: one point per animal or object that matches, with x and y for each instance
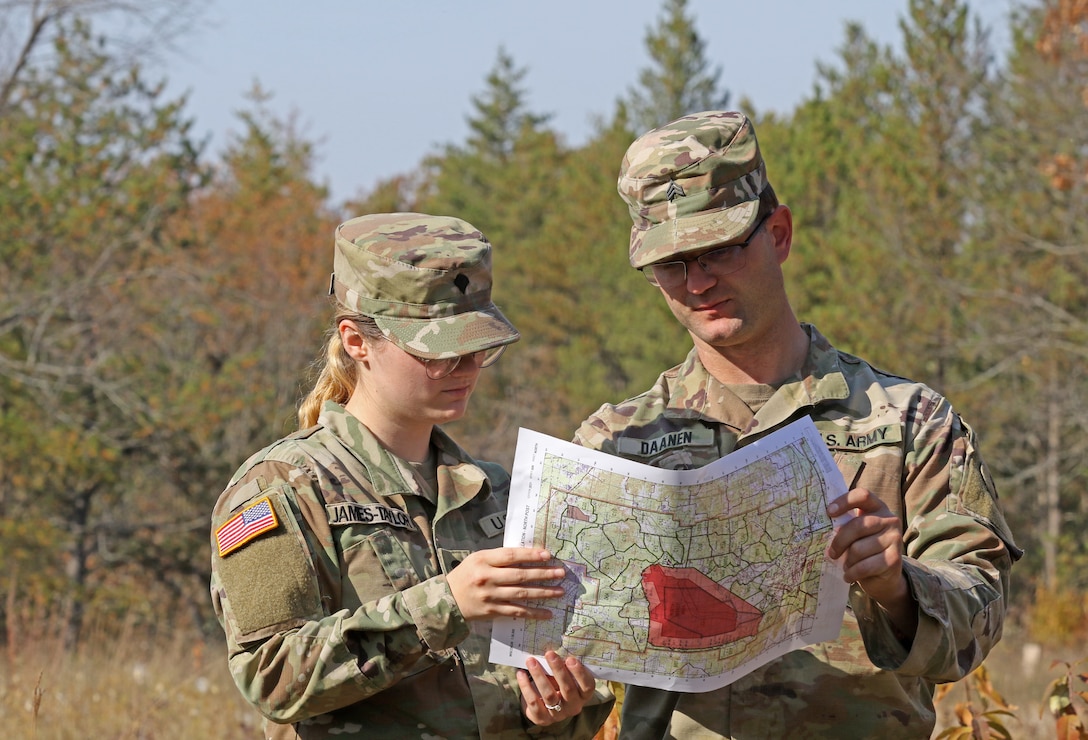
(699, 280)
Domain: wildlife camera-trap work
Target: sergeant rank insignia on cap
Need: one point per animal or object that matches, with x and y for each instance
(249, 523)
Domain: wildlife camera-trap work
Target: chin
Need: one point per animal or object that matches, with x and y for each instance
(450, 413)
(719, 335)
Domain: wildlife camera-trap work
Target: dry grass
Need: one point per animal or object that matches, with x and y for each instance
(129, 689)
(138, 689)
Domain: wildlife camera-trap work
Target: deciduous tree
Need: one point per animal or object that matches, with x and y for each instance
(93, 162)
(1032, 263)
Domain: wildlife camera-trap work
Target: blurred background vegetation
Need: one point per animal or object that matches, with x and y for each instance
(160, 308)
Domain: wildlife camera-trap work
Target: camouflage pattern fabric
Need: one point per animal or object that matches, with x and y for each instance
(426, 281)
(903, 442)
(339, 620)
(691, 184)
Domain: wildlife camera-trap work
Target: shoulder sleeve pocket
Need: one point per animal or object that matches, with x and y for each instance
(974, 491)
(269, 581)
(977, 498)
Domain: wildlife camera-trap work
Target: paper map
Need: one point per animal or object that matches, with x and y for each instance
(678, 579)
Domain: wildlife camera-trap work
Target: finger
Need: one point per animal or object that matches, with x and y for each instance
(547, 687)
(868, 559)
(520, 574)
(505, 594)
(853, 532)
(504, 557)
(528, 687)
(883, 529)
(585, 679)
(856, 498)
(562, 680)
(853, 546)
(842, 540)
(532, 706)
(516, 611)
(860, 551)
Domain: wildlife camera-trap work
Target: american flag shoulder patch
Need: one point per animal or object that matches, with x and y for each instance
(249, 523)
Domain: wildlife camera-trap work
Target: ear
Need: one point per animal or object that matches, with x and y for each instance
(355, 344)
(780, 226)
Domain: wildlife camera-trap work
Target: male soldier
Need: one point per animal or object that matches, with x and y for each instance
(928, 554)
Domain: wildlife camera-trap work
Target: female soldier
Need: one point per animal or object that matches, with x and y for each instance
(357, 563)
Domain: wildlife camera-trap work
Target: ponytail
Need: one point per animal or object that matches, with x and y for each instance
(337, 375)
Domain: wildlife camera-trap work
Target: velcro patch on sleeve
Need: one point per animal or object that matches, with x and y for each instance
(271, 584)
(245, 526)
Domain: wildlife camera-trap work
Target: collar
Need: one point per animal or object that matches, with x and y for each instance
(821, 380)
(459, 478)
(694, 392)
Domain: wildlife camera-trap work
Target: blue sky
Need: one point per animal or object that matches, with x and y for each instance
(378, 85)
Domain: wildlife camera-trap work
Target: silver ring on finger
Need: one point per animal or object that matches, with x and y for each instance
(554, 707)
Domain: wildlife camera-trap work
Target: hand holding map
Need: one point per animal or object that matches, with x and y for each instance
(678, 579)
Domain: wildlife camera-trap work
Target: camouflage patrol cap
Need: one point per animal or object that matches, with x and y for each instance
(425, 280)
(691, 184)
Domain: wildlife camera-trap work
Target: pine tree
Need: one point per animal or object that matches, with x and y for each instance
(681, 80)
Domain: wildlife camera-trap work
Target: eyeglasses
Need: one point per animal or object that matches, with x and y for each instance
(717, 262)
(441, 368)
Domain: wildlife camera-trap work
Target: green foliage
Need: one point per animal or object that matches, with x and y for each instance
(822, 163)
(559, 232)
(158, 311)
(1030, 276)
(138, 303)
(681, 80)
(92, 164)
(503, 181)
(246, 298)
(875, 169)
(614, 331)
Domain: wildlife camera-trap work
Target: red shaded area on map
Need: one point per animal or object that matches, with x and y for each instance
(688, 610)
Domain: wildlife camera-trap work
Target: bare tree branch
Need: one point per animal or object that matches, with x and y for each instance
(136, 30)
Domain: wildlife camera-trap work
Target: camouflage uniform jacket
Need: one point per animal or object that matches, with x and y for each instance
(902, 441)
(338, 617)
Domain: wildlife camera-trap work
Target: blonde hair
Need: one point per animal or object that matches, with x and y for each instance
(336, 375)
